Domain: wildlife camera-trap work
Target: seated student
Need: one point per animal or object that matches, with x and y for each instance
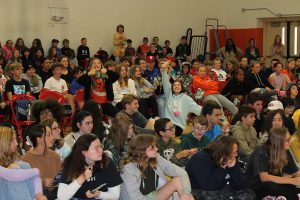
(277, 79)
(16, 85)
(88, 173)
(116, 142)
(195, 64)
(122, 86)
(271, 169)
(292, 94)
(130, 105)
(82, 124)
(14, 174)
(215, 173)
(213, 113)
(98, 86)
(55, 83)
(244, 65)
(144, 91)
(130, 51)
(35, 81)
(235, 89)
(67, 71)
(74, 86)
(244, 132)
(98, 128)
(183, 51)
(59, 145)
(290, 70)
(45, 71)
(167, 147)
(178, 104)
(196, 140)
(186, 77)
(47, 161)
(295, 141)
(143, 168)
(210, 90)
(217, 64)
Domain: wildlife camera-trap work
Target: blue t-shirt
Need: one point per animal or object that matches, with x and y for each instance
(214, 132)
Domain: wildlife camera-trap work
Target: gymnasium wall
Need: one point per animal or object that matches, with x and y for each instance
(97, 19)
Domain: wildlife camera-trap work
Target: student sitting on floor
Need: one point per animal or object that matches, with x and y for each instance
(168, 148)
(196, 140)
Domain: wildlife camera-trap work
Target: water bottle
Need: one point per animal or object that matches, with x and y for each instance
(28, 113)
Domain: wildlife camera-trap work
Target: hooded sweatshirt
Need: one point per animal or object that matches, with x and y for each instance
(178, 106)
(247, 137)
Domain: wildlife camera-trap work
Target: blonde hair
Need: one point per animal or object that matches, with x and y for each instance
(6, 138)
(140, 80)
(137, 153)
(124, 82)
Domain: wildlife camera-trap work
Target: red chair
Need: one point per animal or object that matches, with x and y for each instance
(60, 98)
(15, 121)
(79, 98)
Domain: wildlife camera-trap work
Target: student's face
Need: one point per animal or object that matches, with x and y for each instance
(186, 69)
(294, 90)
(169, 130)
(17, 72)
(298, 63)
(55, 130)
(26, 53)
(195, 65)
(16, 54)
(10, 43)
(39, 53)
(123, 72)
(177, 87)
(256, 69)
(199, 130)
(217, 65)
(133, 106)
(168, 44)
(164, 50)
(215, 117)
(183, 41)
(258, 106)
(202, 71)
(287, 141)
(249, 120)
(66, 44)
(155, 40)
(143, 65)
(65, 62)
(96, 64)
(45, 114)
(229, 66)
(292, 65)
(151, 151)
(54, 51)
(55, 44)
(86, 125)
(14, 144)
(240, 76)
(34, 43)
(151, 64)
(145, 41)
(49, 139)
(277, 121)
(234, 152)
(244, 62)
(20, 43)
(126, 63)
(278, 68)
(152, 47)
(30, 72)
(57, 71)
(84, 42)
(138, 72)
(251, 43)
(94, 153)
(120, 29)
(46, 64)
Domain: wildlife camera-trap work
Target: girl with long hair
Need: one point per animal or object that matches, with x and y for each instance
(144, 91)
(215, 173)
(53, 55)
(40, 156)
(59, 145)
(36, 44)
(14, 170)
(20, 45)
(143, 169)
(88, 173)
(82, 124)
(120, 132)
(124, 85)
(252, 52)
(277, 49)
(67, 71)
(38, 57)
(271, 168)
(290, 70)
(98, 86)
(14, 58)
(229, 51)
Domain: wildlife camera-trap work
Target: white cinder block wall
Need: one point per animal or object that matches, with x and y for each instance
(97, 19)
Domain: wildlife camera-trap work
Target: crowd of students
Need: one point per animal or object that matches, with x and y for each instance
(244, 143)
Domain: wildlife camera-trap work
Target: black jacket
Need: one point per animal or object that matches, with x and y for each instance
(256, 81)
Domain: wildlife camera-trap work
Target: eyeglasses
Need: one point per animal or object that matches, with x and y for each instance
(200, 129)
(97, 148)
(171, 128)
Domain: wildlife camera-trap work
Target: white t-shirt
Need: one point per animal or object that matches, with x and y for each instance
(56, 85)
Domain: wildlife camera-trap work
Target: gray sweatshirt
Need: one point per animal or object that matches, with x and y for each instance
(132, 178)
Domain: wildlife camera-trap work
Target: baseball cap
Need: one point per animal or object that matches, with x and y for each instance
(275, 105)
(150, 58)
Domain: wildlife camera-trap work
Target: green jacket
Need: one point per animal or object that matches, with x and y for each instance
(189, 142)
(168, 150)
